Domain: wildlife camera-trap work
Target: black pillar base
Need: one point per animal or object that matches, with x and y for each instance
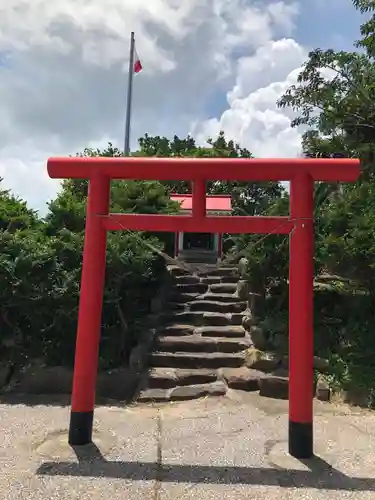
(80, 428)
(301, 439)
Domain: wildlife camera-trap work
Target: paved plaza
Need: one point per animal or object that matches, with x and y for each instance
(232, 447)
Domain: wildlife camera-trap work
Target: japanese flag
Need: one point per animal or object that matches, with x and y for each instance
(137, 67)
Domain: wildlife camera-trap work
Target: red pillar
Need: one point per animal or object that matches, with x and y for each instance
(220, 245)
(301, 334)
(199, 199)
(176, 241)
(90, 313)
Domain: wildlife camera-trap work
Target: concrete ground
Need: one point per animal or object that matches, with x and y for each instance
(232, 447)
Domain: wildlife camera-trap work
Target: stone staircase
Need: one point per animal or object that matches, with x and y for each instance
(203, 341)
(210, 342)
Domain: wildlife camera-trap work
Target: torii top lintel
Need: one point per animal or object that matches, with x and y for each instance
(194, 169)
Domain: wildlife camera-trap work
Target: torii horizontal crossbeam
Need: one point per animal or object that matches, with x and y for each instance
(187, 224)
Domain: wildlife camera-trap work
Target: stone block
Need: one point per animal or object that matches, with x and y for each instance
(274, 387)
(322, 391)
(243, 378)
(260, 360)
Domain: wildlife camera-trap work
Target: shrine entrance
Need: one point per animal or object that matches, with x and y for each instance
(204, 247)
(299, 225)
(199, 241)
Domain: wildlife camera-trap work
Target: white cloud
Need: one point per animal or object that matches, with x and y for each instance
(253, 118)
(63, 84)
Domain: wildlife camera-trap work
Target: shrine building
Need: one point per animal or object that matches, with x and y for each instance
(201, 247)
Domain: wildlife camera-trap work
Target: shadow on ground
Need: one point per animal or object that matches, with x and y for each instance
(320, 475)
(52, 400)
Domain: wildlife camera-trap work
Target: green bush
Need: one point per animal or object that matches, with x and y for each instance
(40, 279)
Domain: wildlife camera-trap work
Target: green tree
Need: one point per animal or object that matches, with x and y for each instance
(248, 198)
(334, 97)
(14, 213)
(68, 209)
(37, 292)
(334, 100)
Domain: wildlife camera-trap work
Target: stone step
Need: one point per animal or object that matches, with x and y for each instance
(187, 392)
(196, 360)
(205, 318)
(217, 306)
(216, 297)
(187, 279)
(178, 329)
(236, 318)
(229, 279)
(222, 297)
(201, 269)
(231, 331)
(196, 343)
(175, 270)
(188, 317)
(154, 395)
(225, 271)
(182, 393)
(216, 318)
(209, 280)
(191, 287)
(199, 257)
(167, 378)
(243, 379)
(223, 288)
(274, 386)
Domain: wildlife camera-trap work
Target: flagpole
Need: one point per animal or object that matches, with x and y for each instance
(129, 95)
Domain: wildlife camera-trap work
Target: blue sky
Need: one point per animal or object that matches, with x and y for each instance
(328, 24)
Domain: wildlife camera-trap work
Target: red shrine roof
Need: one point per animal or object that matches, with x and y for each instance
(215, 203)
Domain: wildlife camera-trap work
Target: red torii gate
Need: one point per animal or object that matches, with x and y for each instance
(299, 224)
